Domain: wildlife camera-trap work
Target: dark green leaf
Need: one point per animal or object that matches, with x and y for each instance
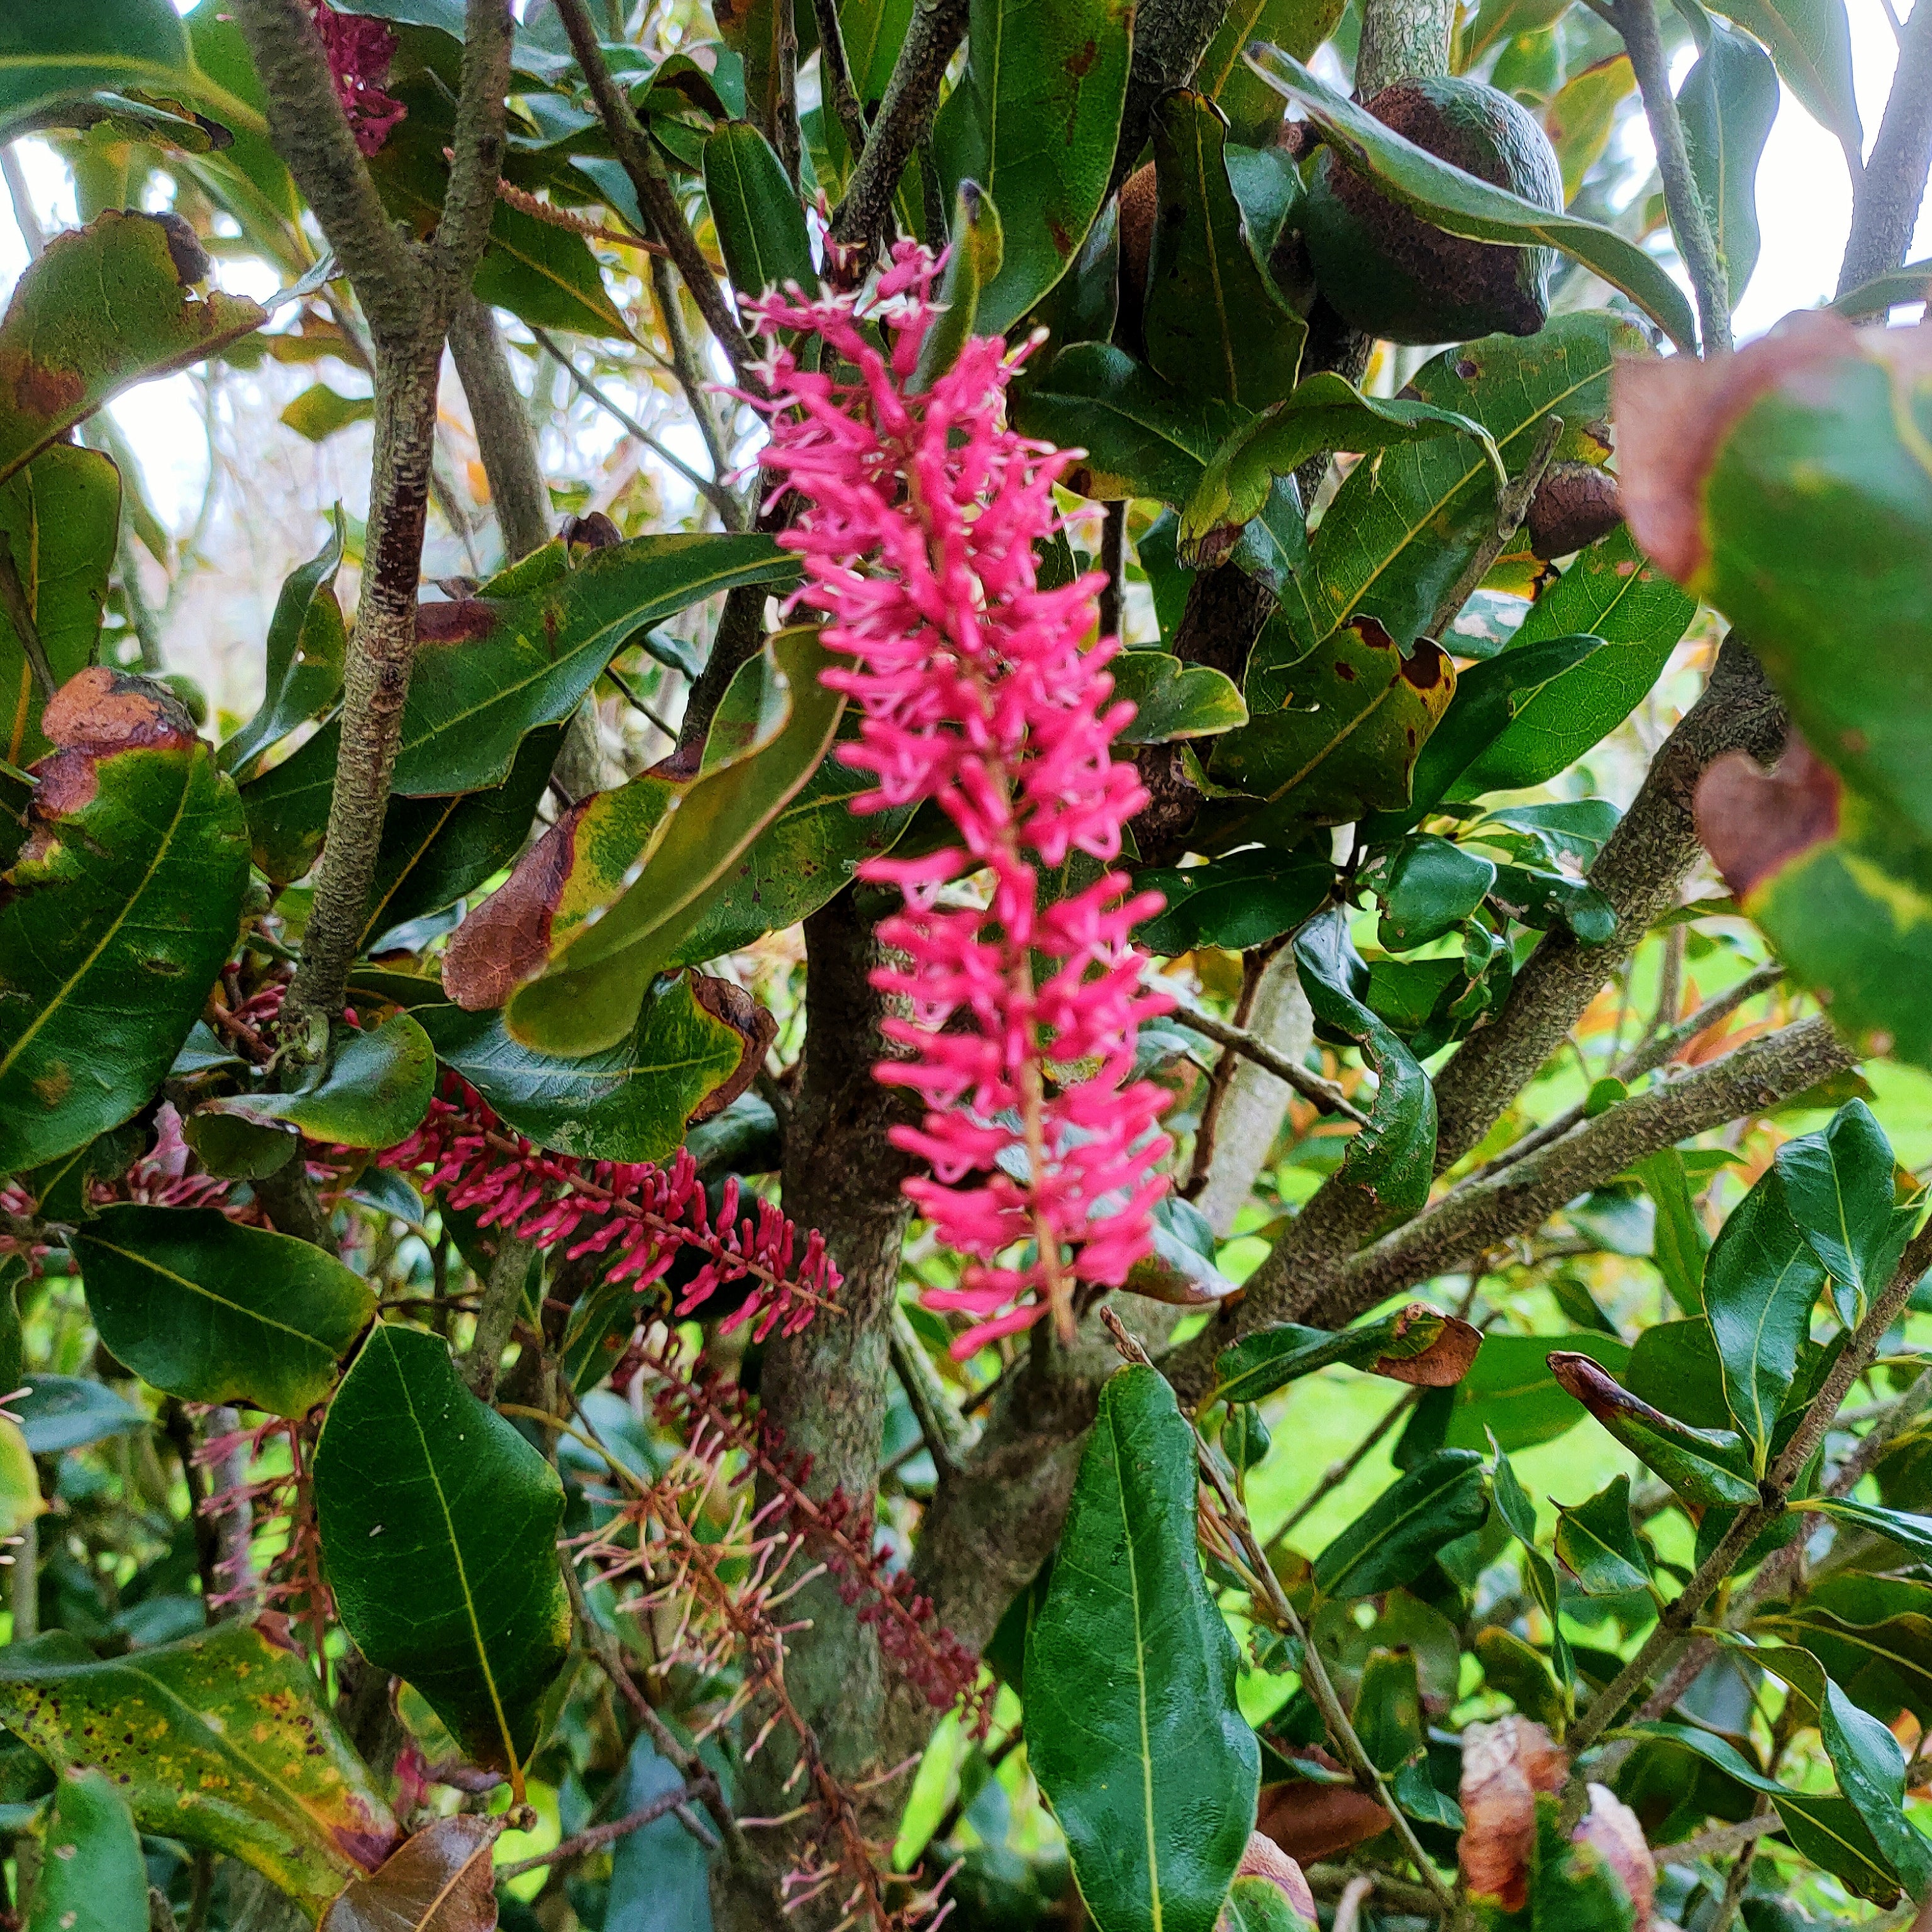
(1033, 66)
(1512, 1398)
(1705, 1466)
(1432, 886)
(1597, 1543)
(1393, 1157)
(204, 1309)
(1674, 1367)
(1679, 1244)
(439, 1528)
(103, 307)
(760, 225)
(377, 1087)
(59, 518)
(978, 247)
(1388, 1716)
(629, 1102)
(61, 1412)
(1242, 900)
(219, 1740)
(1461, 205)
(1416, 1345)
(1518, 1515)
(92, 1878)
(1252, 107)
(1172, 699)
(1727, 104)
(1216, 325)
(1396, 1537)
(1838, 1185)
(1900, 1526)
(121, 908)
(1761, 1282)
(1545, 900)
(1135, 1734)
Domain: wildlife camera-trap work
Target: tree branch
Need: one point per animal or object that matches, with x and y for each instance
(835, 72)
(655, 196)
(1402, 42)
(1170, 37)
(1887, 195)
(1325, 1093)
(518, 493)
(1689, 221)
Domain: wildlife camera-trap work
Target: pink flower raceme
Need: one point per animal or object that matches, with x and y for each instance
(359, 52)
(979, 692)
(645, 1213)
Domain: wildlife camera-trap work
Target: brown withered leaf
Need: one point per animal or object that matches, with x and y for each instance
(1264, 1858)
(1753, 823)
(755, 1024)
(439, 1881)
(1575, 504)
(1444, 1361)
(506, 939)
(1504, 1765)
(1671, 416)
(1610, 1827)
(1311, 1822)
(97, 712)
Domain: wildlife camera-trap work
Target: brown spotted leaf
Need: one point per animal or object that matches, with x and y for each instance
(438, 1881)
(103, 307)
(116, 915)
(218, 1740)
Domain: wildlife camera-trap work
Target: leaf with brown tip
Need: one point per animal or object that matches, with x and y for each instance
(439, 1881)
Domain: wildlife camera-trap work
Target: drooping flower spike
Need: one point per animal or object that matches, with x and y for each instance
(358, 51)
(922, 517)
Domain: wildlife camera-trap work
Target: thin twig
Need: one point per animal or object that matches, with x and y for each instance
(1251, 1046)
(598, 1836)
(941, 1426)
(1719, 1842)
(1689, 221)
(1732, 1901)
(1512, 506)
(1272, 1600)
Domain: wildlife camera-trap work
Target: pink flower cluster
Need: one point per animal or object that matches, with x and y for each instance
(359, 52)
(923, 515)
(645, 1213)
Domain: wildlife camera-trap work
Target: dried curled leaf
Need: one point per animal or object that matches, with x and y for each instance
(1504, 1765)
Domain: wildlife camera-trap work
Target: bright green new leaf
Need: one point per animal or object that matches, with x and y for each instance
(1598, 1544)
(1259, 1905)
(92, 1877)
(755, 209)
(103, 307)
(1582, 115)
(1761, 1282)
(1393, 1157)
(1172, 699)
(1727, 104)
(119, 913)
(1396, 1538)
(1325, 411)
(219, 1740)
(1215, 325)
(321, 411)
(376, 1087)
(306, 648)
(629, 1102)
(60, 518)
(20, 1498)
(588, 998)
(1034, 121)
(439, 1528)
(204, 1309)
(1838, 1187)
(1134, 1732)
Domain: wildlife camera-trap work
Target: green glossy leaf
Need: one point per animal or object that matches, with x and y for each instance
(1811, 42)
(1215, 325)
(1838, 1187)
(1512, 1399)
(1033, 66)
(1545, 900)
(69, 1412)
(202, 1308)
(1326, 412)
(102, 308)
(1141, 439)
(1873, 1634)
(1336, 737)
(1461, 205)
(1401, 530)
(1761, 1282)
(92, 1876)
(60, 518)
(1396, 1538)
(1252, 107)
(1519, 1516)
(307, 646)
(1130, 1676)
(1172, 699)
(1388, 1716)
(219, 1740)
(808, 854)
(1680, 1243)
(377, 1087)
(1432, 886)
(1885, 291)
(1727, 104)
(588, 998)
(1416, 1345)
(1242, 900)
(1597, 1543)
(751, 30)
(1910, 1532)
(131, 879)
(629, 1102)
(972, 264)
(1708, 1467)
(1257, 1904)
(438, 1529)
(1393, 1158)
(51, 56)
(760, 225)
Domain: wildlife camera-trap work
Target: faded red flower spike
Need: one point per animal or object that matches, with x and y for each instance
(359, 52)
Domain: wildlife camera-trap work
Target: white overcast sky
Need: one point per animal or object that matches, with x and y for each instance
(1805, 205)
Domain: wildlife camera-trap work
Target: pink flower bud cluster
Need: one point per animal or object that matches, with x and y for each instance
(923, 514)
(358, 51)
(643, 1213)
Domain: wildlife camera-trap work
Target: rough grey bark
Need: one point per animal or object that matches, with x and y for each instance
(518, 493)
(1887, 197)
